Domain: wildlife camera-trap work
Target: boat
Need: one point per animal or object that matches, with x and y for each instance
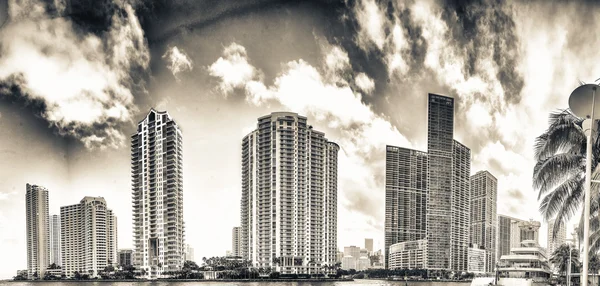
(526, 265)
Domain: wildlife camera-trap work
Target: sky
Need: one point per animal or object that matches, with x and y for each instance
(77, 75)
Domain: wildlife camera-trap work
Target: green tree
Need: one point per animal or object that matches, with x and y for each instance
(560, 258)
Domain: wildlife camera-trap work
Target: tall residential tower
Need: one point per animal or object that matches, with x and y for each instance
(448, 200)
(484, 188)
(289, 195)
(157, 190)
(55, 240)
(38, 231)
(405, 196)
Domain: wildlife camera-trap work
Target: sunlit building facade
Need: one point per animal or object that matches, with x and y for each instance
(157, 192)
(55, 240)
(38, 231)
(289, 195)
(88, 232)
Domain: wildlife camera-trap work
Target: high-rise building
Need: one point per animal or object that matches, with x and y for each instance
(405, 196)
(87, 232)
(554, 241)
(157, 187)
(125, 257)
(189, 253)
(507, 235)
(289, 195)
(369, 245)
(448, 196)
(38, 231)
(484, 195)
(236, 241)
(55, 240)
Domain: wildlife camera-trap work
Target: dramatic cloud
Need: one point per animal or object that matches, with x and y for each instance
(323, 95)
(233, 68)
(84, 81)
(177, 61)
(364, 82)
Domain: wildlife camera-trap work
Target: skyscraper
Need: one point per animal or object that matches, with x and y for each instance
(88, 232)
(55, 240)
(484, 188)
(236, 241)
(448, 203)
(508, 235)
(289, 195)
(189, 253)
(157, 187)
(38, 231)
(405, 196)
(369, 245)
(554, 241)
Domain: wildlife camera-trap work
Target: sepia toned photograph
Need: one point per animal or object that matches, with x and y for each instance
(293, 143)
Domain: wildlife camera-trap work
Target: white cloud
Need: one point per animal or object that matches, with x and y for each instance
(318, 94)
(233, 68)
(177, 61)
(83, 79)
(371, 21)
(364, 82)
(5, 196)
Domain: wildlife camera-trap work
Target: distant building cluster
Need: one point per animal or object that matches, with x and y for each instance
(437, 216)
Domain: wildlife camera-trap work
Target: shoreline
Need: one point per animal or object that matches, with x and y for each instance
(190, 280)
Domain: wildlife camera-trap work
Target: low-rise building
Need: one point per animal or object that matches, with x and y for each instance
(349, 262)
(476, 260)
(408, 254)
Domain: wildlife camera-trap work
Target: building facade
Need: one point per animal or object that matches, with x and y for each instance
(55, 240)
(508, 235)
(189, 253)
(484, 195)
(554, 241)
(408, 255)
(125, 257)
(236, 241)
(38, 231)
(477, 260)
(157, 189)
(369, 245)
(529, 231)
(405, 196)
(87, 233)
(448, 183)
(289, 195)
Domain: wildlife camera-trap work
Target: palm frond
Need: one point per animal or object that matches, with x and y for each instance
(555, 170)
(563, 201)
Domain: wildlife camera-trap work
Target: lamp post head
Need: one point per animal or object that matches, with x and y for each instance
(581, 100)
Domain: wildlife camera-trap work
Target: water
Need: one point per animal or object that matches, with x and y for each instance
(357, 282)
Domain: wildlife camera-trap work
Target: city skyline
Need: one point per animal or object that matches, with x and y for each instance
(360, 73)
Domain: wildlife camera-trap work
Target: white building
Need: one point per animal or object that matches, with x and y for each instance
(349, 262)
(477, 259)
(189, 253)
(236, 241)
(289, 195)
(157, 187)
(363, 263)
(408, 255)
(38, 231)
(55, 240)
(88, 237)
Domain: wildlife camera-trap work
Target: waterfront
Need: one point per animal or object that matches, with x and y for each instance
(356, 282)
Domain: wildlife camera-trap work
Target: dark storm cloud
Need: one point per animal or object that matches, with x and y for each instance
(163, 19)
(477, 25)
(11, 92)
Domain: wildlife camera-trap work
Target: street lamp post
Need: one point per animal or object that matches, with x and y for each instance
(569, 270)
(582, 103)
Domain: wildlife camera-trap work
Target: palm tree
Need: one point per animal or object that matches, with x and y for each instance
(559, 173)
(560, 258)
(594, 267)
